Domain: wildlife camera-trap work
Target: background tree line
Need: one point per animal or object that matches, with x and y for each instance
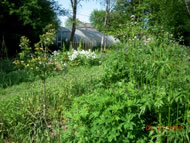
(172, 15)
(25, 17)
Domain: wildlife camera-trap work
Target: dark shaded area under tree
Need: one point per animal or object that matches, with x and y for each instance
(24, 17)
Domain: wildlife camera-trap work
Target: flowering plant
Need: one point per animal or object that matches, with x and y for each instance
(76, 57)
(83, 57)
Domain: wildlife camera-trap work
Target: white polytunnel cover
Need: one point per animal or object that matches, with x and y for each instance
(86, 36)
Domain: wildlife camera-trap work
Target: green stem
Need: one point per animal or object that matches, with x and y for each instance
(185, 113)
(177, 113)
(160, 118)
(44, 96)
(160, 122)
(169, 115)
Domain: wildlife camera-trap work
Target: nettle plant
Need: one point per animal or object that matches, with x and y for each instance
(38, 62)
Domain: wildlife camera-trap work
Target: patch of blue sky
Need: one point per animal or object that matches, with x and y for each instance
(84, 9)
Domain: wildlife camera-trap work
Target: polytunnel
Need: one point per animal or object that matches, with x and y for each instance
(89, 38)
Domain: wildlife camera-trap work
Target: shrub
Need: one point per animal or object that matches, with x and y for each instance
(10, 76)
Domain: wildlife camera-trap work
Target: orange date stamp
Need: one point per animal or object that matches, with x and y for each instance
(163, 128)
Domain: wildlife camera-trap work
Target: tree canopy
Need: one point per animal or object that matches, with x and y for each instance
(171, 14)
(25, 17)
(69, 22)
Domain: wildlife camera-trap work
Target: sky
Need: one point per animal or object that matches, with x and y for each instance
(84, 9)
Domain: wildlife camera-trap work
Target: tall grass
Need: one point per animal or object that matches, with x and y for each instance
(21, 112)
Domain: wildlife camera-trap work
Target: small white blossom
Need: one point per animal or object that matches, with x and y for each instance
(55, 53)
(88, 54)
(132, 16)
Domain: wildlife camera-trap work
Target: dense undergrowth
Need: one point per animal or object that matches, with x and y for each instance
(10, 76)
(143, 96)
(140, 93)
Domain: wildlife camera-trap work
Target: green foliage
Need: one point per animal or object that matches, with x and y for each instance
(22, 117)
(106, 115)
(10, 76)
(13, 78)
(172, 15)
(97, 19)
(144, 83)
(27, 18)
(21, 112)
(116, 69)
(69, 22)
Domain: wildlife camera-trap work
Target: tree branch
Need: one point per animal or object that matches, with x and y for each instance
(72, 4)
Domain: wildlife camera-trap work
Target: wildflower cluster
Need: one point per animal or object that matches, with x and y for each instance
(87, 54)
(75, 57)
(82, 57)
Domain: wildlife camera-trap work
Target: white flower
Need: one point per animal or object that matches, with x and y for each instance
(55, 53)
(87, 54)
(132, 16)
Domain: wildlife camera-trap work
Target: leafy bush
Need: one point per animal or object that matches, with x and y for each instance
(116, 69)
(14, 77)
(106, 115)
(155, 75)
(10, 76)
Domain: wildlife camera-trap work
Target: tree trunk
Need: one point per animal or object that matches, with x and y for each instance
(105, 23)
(74, 7)
(4, 52)
(187, 4)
